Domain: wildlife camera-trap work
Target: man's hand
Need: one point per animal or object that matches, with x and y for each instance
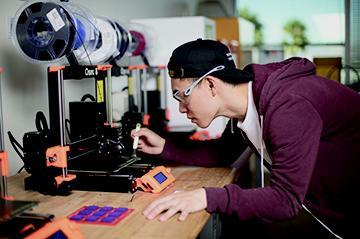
(149, 142)
(184, 202)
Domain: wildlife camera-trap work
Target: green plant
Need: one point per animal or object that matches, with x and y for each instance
(296, 34)
(246, 14)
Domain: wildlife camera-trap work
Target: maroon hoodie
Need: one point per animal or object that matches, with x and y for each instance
(312, 132)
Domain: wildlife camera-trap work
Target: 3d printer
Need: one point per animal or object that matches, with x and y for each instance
(92, 153)
(98, 156)
(15, 219)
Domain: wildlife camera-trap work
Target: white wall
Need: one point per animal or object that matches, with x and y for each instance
(24, 85)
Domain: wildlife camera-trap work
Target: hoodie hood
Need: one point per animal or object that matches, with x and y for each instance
(269, 78)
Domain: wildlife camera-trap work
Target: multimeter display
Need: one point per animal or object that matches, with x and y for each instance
(156, 180)
(160, 177)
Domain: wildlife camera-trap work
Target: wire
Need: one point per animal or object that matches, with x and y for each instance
(21, 169)
(88, 96)
(67, 124)
(354, 70)
(262, 152)
(336, 67)
(41, 122)
(319, 221)
(16, 145)
(144, 58)
(82, 42)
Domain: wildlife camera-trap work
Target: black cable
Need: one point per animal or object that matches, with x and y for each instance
(144, 58)
(335, 67)
(88, 96)
(16, 145)
(41, 122)
(19, 171)
(67, 124)
(355, 85)
(354, 70)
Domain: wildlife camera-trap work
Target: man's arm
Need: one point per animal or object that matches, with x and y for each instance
(216, 152)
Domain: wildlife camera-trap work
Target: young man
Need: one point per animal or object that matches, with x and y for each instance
(305, 129)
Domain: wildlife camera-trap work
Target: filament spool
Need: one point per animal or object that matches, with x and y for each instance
(48, 31)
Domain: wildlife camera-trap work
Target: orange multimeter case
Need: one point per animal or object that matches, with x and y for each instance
(156, 180)
(60, 228)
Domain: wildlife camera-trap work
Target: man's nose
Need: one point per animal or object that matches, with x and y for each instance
(182, 107)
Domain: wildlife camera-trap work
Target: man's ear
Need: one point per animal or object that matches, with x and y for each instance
(212, 84)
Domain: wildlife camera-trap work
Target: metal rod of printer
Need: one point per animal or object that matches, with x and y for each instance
(108, 95)
(62, 114)
(137, 82)
(162, 88)
(3, 183)
(127, 163)
(2, 145)
(61, 108)
(70, 158)
(4, 189)
(143, 82)
(83, 140)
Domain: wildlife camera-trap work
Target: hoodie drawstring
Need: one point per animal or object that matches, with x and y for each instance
(262, 151)
(319, 221)
(232, 125)
(262, 179)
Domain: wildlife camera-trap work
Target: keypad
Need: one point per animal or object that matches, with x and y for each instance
(94, 214)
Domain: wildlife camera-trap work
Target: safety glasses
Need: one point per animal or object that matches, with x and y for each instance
(182, 94)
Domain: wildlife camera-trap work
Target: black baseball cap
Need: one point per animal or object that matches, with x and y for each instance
(196, 58)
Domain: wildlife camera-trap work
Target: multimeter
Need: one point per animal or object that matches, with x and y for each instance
(156, 180)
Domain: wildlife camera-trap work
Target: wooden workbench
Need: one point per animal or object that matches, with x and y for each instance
(135, 225)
